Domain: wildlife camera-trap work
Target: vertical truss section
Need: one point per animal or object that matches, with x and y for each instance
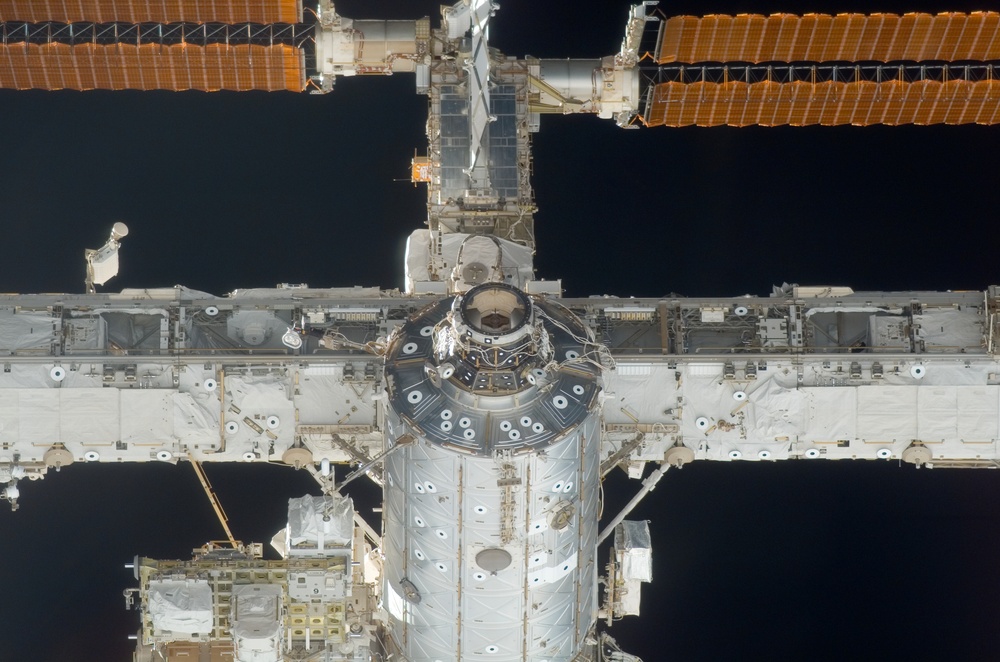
(968, 99)
(825, 38)
(454, 204)
(177, 67)
(152, 11)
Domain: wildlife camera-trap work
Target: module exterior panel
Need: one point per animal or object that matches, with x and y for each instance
(490, 528)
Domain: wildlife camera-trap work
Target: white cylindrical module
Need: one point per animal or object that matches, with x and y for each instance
(574, 79)
(490, 511)
(597, 86)
(347, 47)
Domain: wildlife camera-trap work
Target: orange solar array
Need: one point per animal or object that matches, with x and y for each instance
(825, 38)
(829, 103)
(151, 67)
(152, 11)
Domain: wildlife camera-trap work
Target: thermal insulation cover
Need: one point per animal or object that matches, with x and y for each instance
(633, 540)
(180, 606)
(312, 517)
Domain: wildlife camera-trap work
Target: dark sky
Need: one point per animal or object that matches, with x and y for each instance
(797, 561)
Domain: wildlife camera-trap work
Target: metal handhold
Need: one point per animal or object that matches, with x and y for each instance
(410, 592)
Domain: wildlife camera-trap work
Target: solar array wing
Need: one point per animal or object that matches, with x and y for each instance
(175, 67)
(821, 69)
(824, 38)
(152, 11)
(801, 103)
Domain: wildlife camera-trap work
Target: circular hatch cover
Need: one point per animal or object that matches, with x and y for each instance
(493, 559)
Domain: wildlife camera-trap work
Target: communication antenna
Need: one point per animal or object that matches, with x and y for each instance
(102, 263)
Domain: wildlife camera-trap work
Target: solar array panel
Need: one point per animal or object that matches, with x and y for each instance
(830, 103)
(152, 11)
(151, 67)
(825, 38)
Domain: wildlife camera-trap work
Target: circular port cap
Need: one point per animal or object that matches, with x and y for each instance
(918, 455)
(493, 559)
(57, 457)
(297, 456)
(678, 456)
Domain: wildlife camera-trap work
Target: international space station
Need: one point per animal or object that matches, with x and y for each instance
(488, 407)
